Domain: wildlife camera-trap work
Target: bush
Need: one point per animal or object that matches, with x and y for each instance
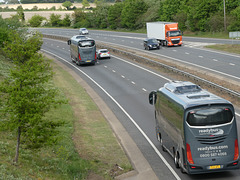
(66, 21)
(36, 20)
(55, 20)
(3, 35)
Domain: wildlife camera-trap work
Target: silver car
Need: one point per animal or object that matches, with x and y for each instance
(83, 31)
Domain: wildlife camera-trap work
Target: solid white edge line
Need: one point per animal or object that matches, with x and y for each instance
(132, 120)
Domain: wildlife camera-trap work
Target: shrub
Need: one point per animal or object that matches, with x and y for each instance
(36, 20)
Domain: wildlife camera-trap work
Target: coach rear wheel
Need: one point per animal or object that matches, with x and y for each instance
(161, 142)
(176, 159)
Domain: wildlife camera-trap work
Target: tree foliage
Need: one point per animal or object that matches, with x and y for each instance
(26, 93)
(36, 20)
(85, 3)
(55, 20)
(132, 9)
(114, 15)
(192, 15)
(67, 4)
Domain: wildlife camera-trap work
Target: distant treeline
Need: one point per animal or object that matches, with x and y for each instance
(51, 1)
(192, 15)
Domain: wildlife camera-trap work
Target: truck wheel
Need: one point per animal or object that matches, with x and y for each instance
(165, 43)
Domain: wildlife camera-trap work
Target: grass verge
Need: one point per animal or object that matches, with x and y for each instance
(87, 148)
(231, 48)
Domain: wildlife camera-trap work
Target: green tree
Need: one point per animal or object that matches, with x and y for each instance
(67, 4)
(168, 9)
(235, 23)
(55, 20)
(79, 18)
(36, 20)
(85, 3)
(100, 18)
(114, 15)
(132, 10)
(66, 21)
(27, 93)
(20, 13)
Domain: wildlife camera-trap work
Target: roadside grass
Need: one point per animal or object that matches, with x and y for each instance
(221, 35)
(232, 48)
(86, 143)
(93, 136)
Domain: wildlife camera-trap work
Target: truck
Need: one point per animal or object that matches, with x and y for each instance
(196, 127)
(167, 33)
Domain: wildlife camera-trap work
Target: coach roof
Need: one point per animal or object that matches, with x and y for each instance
(188, 94)
(79, 38)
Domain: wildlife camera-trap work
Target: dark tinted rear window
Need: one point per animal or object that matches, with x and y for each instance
(209, 116)
(103, 51)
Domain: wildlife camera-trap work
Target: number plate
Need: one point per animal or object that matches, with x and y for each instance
(88, 60)
(215, 167)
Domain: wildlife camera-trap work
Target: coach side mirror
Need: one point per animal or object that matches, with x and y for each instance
(152, 97)
(69, 42)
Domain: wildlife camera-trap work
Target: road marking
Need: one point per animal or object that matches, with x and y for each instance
(174, 50)
(113, 71)
(142, 68)
(215, 60)
(123, 76)
(105, 66)
(144, 89)
(133, 82)
(200, 56)
(231, 64)
(179, 60)
(125, 112)
(186, 53)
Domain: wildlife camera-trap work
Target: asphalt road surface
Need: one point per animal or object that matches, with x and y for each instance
(125, 86)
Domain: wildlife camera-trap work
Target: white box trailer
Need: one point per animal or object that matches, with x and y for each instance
(167, 33)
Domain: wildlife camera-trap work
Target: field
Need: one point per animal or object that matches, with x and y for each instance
(42, 5)
(46, 14)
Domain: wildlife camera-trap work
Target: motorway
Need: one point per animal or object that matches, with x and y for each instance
(125, 86)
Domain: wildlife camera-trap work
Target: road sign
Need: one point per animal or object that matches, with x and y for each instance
(235, 34)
